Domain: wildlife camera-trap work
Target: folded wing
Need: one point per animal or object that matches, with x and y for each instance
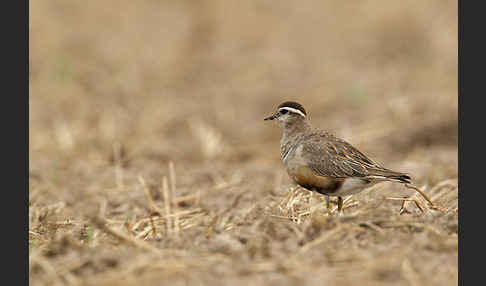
(330, 156)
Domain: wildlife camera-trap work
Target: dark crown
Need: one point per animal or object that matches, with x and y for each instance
(292, 104)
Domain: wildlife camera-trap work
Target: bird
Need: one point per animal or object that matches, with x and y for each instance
(321, 162)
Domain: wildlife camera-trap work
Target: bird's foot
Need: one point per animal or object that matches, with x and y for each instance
(340, 206)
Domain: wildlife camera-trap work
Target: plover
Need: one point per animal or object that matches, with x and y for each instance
(319, 161)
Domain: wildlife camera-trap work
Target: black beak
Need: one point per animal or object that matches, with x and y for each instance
(271, 117)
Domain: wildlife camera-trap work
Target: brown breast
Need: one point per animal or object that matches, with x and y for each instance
(305, 177)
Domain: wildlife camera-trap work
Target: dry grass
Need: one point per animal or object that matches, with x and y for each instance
(150, 162)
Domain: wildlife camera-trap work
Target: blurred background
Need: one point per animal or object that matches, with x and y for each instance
(118, 89)
(157, 77)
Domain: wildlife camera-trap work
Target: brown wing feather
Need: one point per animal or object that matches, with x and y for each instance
(330, 156)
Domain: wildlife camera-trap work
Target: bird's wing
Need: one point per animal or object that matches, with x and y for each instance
(330, 156)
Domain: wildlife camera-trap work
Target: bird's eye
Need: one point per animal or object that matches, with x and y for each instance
(283, 111)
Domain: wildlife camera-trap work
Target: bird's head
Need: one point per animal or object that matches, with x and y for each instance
(288, 114)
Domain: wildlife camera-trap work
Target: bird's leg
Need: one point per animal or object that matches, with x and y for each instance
(328, 204)
(340, 205)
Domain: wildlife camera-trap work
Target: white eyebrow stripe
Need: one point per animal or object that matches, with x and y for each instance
(293, 110)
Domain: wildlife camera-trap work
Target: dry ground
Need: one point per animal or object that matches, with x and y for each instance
(150, 162)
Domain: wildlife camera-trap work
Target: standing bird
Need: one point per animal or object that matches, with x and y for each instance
(319, 161)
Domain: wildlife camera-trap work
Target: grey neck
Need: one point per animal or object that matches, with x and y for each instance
(290, 129)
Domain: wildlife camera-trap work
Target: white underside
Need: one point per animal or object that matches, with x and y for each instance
(352, 186)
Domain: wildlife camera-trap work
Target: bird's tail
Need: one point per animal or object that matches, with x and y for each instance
(403, 178)
(390, 175)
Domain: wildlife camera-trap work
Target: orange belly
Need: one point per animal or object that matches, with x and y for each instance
(306, 178)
